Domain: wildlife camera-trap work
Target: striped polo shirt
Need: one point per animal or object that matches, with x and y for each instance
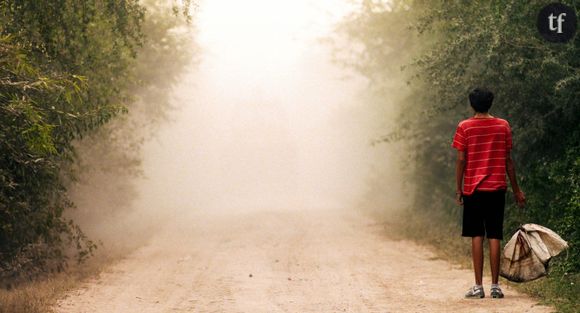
(486, 142)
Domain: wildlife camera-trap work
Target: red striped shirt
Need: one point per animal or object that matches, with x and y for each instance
(486, 142)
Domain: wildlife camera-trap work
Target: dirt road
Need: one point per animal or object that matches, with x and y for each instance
(288, 261)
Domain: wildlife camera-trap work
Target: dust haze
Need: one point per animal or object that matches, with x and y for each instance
(253, 195)
(263, 120)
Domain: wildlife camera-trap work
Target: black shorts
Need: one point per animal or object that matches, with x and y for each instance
(483, 214)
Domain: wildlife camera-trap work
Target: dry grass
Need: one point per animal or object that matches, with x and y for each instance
(41, 295)
(35, 297)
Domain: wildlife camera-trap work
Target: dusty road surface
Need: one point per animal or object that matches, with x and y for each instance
(283, 261)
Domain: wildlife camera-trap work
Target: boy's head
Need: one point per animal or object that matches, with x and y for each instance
(481, 99)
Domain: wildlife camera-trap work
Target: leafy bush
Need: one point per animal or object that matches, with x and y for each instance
(446, 48)
(32, 197)
(67, 68)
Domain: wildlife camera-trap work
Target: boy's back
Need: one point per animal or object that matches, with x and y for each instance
(486, 143)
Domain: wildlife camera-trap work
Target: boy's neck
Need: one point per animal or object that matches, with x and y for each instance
(482, 115)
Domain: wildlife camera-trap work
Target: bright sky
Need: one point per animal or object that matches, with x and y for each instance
(267, 33)
(262, 116)
(256, 46)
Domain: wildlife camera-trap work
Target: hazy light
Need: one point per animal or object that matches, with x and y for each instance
(262, 117)
(273, 29)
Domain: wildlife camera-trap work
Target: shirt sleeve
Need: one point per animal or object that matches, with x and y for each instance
(508, 137)
(459, 140)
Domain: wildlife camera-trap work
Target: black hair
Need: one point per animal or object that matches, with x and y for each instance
(481, 99)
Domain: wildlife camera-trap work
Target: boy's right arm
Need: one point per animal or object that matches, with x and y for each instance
(459, 170)
(511, 171)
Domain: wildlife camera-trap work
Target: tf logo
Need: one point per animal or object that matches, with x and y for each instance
(557, 22)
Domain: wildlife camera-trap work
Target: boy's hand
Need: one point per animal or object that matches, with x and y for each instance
(458, 198)
(520, 198)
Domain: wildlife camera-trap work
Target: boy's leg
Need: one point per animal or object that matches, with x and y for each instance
(473, 226)
(494, 256)
(494, 229)
(477, 254)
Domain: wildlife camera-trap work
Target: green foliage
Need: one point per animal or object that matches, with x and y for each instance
(31, 197)
(453, 46)
(67, 68)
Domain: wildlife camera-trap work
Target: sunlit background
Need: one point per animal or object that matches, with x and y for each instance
(265, 120)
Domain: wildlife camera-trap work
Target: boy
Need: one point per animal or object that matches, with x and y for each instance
(483, 144)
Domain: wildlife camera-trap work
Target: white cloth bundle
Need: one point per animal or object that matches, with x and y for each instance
(527, 254)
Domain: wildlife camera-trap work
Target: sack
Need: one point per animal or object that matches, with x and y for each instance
(527, 254)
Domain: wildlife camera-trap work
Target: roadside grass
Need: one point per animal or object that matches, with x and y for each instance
(443, 235)
(40, 295)
(560, 290)
(37, 296)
